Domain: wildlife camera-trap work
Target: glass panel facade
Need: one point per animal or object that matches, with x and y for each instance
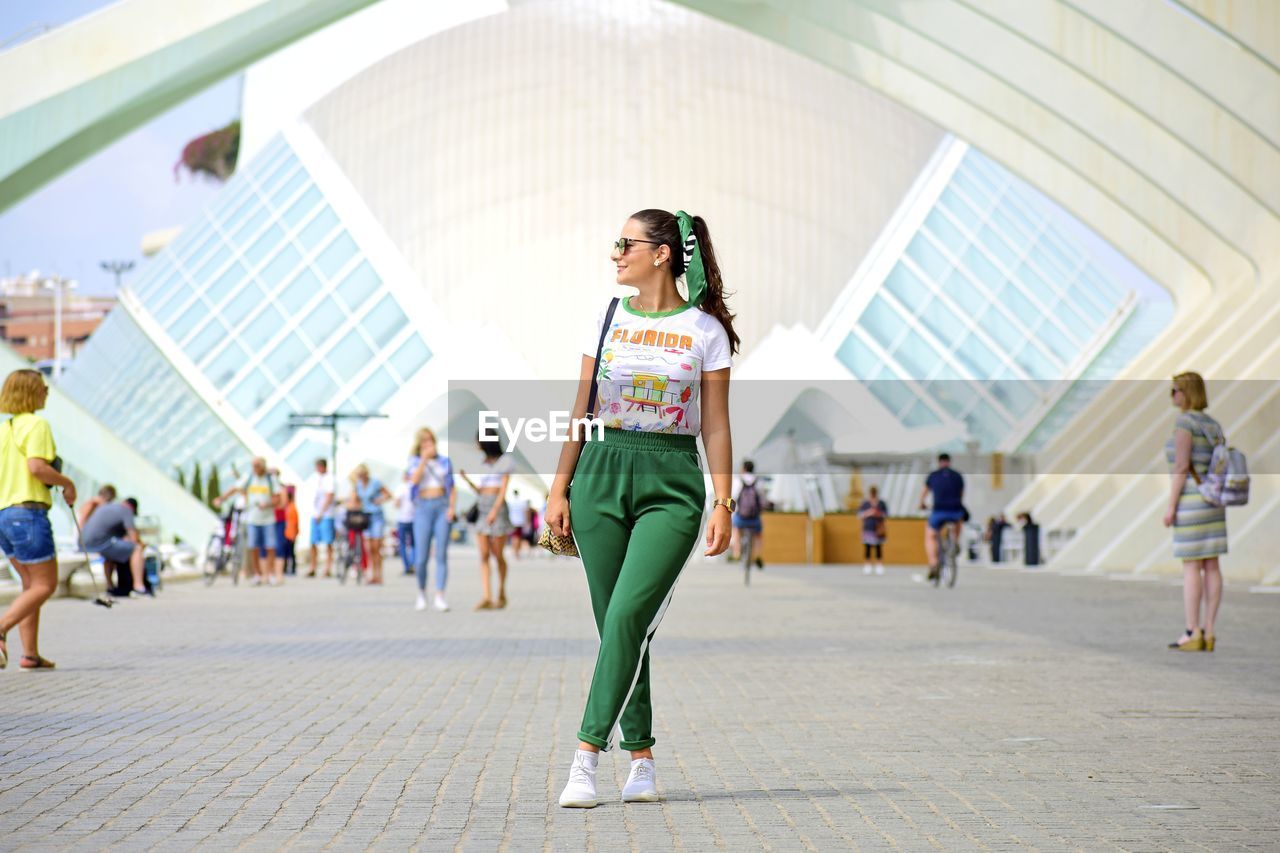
(271, 296)
(156, 411)
(992, 299)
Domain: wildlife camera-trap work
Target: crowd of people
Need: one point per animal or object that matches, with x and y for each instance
(426, 513)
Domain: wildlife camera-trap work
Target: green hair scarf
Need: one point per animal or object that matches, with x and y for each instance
(695, 276)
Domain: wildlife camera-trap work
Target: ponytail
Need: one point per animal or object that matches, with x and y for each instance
(713, 301)
(664, 226)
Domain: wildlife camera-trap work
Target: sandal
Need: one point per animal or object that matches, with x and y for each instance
(484, 604)
(30, 662)
(502, 602)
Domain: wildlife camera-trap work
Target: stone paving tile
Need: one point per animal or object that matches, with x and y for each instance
(817, 710)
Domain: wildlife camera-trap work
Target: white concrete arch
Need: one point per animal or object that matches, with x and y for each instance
(1159, 128)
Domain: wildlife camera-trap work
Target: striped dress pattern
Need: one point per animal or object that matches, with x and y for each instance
(1199, 527)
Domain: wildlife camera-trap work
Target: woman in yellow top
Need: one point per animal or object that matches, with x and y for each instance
(27, 470)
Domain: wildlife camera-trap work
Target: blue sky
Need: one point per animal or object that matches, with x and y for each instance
(101, 208)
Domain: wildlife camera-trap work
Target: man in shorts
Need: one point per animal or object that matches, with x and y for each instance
(948, 508)
(262, 495)
(110, 530)
(322, 526)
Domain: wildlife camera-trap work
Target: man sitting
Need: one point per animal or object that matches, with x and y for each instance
(111, 532)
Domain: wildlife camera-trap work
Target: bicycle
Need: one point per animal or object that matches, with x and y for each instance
(223, 553)
(748, 553)
(948, 548)
(352, 552)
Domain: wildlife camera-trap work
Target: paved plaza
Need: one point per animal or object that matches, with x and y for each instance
(817, 710)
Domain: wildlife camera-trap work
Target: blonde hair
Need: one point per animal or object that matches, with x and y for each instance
(1192, 387)
(359, 471)
(417, 439)
(22, 392)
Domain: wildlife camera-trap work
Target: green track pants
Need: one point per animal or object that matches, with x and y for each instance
(636, 512)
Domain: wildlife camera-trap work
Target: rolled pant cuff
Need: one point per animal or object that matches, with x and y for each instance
(593, 740)
(634, 745)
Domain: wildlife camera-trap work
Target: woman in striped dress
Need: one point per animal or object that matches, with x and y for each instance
(1199, 527)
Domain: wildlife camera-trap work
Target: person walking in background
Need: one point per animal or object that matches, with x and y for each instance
(290, 530)
(747, 516)
(1199, 527)
(29, 465)
(372, 495)
(404, 524)
(996, 529)
(430, 477)
(261, 495)
(494, 524)
(518, 512)
(1030, 539)
(322, 530)
(873, 513)
(639, 496)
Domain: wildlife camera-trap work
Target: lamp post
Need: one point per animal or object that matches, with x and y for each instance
(57, 285)
(117, 268)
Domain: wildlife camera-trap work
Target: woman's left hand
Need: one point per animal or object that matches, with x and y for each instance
(1168, 518)
(492, 517)
(718, 530)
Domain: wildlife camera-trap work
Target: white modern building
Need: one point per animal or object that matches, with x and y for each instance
(443, 212)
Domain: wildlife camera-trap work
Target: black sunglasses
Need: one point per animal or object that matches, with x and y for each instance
(624, 243)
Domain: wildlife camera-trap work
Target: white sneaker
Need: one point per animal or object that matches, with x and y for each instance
(580, 793)
(866, 568)
(640, 787)
(879, 569)
(422, 602)
(440, 604)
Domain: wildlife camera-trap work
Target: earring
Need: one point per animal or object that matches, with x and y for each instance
(657, 263)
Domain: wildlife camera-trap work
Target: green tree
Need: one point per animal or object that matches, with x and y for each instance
(197, 484)
(213, 154)
(215, 487)
(182, 476)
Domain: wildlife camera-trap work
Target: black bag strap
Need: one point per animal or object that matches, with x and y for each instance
(595, 370)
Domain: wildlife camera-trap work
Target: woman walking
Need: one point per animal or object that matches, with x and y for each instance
(873, 513)
(372, 495)
(430, 478)
(639, 495)
(494, 525)
(1199, 527)
(28, 467)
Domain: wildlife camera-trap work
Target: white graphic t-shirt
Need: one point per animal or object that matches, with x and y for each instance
(651, 366)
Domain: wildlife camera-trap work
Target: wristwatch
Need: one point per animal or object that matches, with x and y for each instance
(728, 503)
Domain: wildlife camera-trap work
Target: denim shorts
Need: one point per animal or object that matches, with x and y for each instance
(322, 531)
(262, 536)
(25, 535)
(377, 524)
(117, 550)
(939, 517)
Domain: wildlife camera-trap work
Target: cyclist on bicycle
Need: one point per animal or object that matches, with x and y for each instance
(948, 508)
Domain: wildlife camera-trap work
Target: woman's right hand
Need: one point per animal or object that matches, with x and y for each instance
(558, 514)
(69, 492)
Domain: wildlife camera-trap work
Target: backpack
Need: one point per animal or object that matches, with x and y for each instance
(748, 501)
(1226, 481)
